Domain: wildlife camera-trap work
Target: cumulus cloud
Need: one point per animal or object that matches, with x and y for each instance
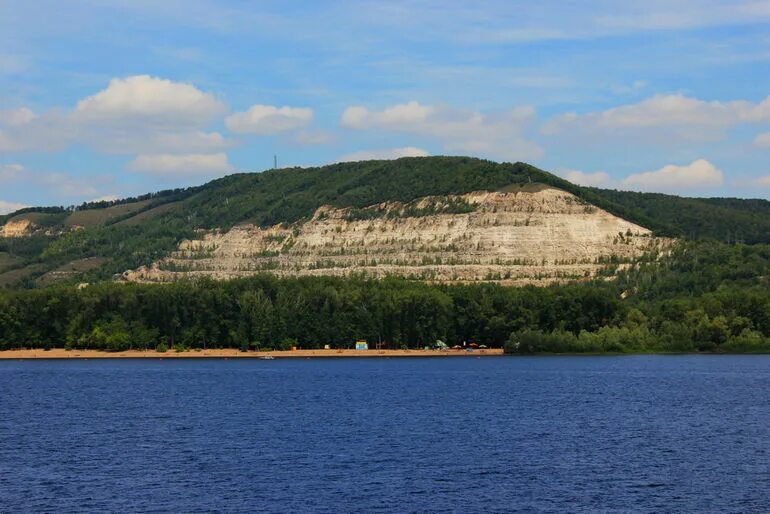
(150, 98)
(665, 115)
(6, 207)
(410, 115)
(762, 140)
(171, 164)
(499, 134)
(148, 114)
(265, 120)
(699, 175)
(131, 115)
(384, 154)
(596, 179)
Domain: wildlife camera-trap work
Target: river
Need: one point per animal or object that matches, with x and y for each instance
(630, 433)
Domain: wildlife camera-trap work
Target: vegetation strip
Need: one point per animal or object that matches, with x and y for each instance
(707, 296)
(58, 353)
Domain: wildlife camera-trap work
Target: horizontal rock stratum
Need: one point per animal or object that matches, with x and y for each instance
(542, 235)
(16, 228)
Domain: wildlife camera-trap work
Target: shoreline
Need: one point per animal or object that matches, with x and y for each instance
(228, 353)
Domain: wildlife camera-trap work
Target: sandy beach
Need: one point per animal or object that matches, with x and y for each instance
(60, 353)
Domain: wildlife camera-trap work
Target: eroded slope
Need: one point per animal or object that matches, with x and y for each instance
(512, 237)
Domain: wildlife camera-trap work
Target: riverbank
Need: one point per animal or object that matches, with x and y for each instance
(60, 353)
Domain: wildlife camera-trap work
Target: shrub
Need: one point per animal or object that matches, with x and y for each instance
(286, 343)
(748, 341)
(676, 337)
(537, 341)
(117, 342)
(162, 348)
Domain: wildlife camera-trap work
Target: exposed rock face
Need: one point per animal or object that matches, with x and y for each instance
(17, 228)
(513, 238)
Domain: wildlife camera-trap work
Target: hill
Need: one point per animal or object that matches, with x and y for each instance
(95, 241)
(523, 235)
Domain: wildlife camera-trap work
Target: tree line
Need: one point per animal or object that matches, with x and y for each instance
(705, 297)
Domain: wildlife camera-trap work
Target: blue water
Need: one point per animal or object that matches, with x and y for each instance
(642, 433)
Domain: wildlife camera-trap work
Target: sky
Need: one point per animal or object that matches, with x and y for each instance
(103, 99)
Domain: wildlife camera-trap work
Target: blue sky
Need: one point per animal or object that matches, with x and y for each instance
(111, 98)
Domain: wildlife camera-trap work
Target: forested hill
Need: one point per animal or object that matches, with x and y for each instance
(729, 220)
(94, 241)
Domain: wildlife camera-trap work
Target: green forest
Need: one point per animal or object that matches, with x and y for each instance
(706, 297)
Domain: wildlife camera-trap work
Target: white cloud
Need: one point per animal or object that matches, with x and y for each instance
(104, 198)
(264, 120)
(132, 115)
(670, 110)
(762, 140)
(596, 179)
(499, 134)
(170, 164)
(6, 207)
(150, 98)
(385, 154)
(699, 175)
(22, 130)
(665, 116)
(14, 117)
(406, 116)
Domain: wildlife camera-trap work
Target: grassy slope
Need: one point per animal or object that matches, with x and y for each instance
(136, 233)
(97, 217)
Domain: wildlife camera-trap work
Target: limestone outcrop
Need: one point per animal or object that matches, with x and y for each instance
(17, 228)
(515, 238)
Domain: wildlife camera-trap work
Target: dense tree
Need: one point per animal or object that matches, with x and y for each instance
(703, 297)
